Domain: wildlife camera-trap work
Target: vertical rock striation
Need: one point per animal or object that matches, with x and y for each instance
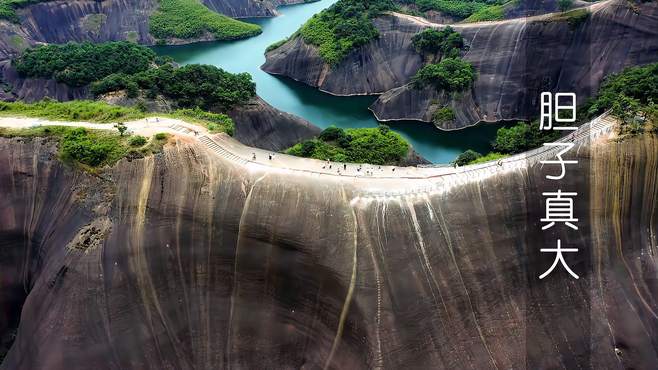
(205, 263)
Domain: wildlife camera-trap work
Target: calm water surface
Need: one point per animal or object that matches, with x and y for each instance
(321, 109)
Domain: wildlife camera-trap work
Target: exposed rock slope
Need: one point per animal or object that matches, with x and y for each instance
(248, 8)
(515, 61)
(108, 20)
(205, 264)
(261, 125)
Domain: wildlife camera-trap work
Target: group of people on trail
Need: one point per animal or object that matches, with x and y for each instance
(328, 165)
(368, 171)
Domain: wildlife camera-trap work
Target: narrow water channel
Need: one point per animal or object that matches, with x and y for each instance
(319, 108)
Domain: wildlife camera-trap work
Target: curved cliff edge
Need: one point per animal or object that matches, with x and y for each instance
(190, 260)
(515, 61)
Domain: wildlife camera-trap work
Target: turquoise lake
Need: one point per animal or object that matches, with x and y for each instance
(307, 102)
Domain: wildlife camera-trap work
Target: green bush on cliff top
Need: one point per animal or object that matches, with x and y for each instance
(344, 26)
(188, 19)
(190, 86)
(360, 145)
(431, 40)
(450, 74)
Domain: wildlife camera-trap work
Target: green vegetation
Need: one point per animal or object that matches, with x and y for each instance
(187, 19)
(101, 112)
(574, 17)
(8, 8)
(432, 41)
(77, 110)
(92, 148)
(488, 13)
(361, 145)
(344, 26)
(214, 122)
(564, 5)
(458, 8)
(450, 74)
(443, 115)
(125, 66)
(80, 64)
(522, 137)
(137, 141)
(467, 157)
(276, 45)
(473, 157)
(493, 156)
(632, 96)
(94, 22)
(190, 86)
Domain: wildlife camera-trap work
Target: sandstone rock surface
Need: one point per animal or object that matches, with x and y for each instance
(207, 263)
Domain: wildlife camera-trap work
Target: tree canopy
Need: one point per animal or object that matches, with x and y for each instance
(450, 74)
(362, 145)
(78, 64)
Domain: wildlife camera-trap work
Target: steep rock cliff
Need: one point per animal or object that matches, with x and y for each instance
(263, 126)
(515, 61)
(107, 20)
(186, 260)
(248, 8)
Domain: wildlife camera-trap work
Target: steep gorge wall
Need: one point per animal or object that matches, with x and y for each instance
(515, 61)
(248, 8)
(108, 20)
(209, 264)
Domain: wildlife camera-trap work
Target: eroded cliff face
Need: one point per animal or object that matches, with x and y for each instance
(515, 61)
(186, 260)
(107, 20)
(248, 8)
(263, 126)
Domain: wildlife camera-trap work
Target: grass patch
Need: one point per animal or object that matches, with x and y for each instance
(91, 150)
(77, 110)
(379, 146)
(574, 17)
(276, 45)
(489, 13)
(214, 122)
(188, 19)
(473, 157)
(493, 156)
(93, 22)
(101, 112)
